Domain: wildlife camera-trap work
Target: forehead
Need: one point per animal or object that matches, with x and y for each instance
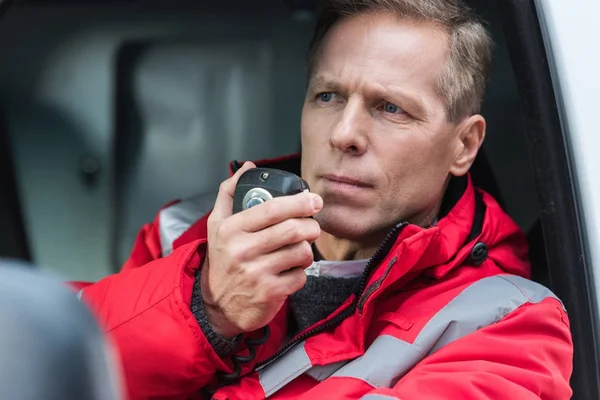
(381, 49)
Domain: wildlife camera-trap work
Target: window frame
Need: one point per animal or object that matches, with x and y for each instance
(558, 179)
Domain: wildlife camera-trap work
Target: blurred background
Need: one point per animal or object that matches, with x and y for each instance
(111, 108)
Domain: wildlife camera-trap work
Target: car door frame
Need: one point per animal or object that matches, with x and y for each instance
(564, 207)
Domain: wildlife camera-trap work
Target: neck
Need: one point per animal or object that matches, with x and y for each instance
(333, 248)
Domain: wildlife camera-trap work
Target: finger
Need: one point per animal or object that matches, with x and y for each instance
(224, 203)
(290, 281)
(280, 209)
(294, 255)
(290, 231)
(247, 247)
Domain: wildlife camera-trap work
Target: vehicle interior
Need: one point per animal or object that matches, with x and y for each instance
(110, 109)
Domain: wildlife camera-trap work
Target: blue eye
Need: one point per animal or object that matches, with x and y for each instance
(325, 97)
(389, 107)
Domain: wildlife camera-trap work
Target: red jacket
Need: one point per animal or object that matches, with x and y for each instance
(445, 312)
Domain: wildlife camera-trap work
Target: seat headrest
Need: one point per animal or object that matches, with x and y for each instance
(50, 345)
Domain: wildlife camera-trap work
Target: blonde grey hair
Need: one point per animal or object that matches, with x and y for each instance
(463, 81)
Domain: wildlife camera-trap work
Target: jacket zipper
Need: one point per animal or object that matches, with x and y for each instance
(375, 260)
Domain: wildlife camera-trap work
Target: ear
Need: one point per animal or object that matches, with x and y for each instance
(470, 136)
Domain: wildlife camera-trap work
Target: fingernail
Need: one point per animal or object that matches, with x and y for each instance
(317, 202)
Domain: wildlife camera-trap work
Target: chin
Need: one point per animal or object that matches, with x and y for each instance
(343, 224)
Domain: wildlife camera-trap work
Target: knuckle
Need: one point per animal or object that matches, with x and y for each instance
(313, 229)
(266, 292)
(272, 209)
(268, 288)
(271, 206)
(291, 230)
(254, 274)
(223, 229)
(302, 278)
(306, 249)
(237, 255)
(236, 258)
(306, 255)
(299, 279)
(213, 223)
(210, 220)
(224, 186)
(229, 229)
(230, 268)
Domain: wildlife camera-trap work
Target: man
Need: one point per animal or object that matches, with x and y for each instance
(407, 283)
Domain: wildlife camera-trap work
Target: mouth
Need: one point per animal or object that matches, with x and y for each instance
(346, 181)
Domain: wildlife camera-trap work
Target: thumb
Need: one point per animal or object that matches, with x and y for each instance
(224, 204)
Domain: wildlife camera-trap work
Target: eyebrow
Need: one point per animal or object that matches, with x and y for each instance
(415, 105)
(323, 82)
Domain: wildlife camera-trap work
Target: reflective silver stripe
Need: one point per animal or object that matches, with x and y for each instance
(378, 397)
(322, 372)
(178, 218)
(534, 291)
(291, 365)
(79, 294)
(385, 361)
(481, 304)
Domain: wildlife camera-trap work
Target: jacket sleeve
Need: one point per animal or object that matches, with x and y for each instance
(527, 355)
(146, 314)
(152, 311)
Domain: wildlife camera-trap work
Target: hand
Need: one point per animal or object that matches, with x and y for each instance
(256, 258)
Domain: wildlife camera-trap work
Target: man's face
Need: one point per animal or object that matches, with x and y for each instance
(376, 144)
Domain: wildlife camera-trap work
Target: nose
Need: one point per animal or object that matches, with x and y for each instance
(350, 133)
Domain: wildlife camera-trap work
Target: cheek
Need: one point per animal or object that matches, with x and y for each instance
(314, 132)
(401, 157)
(409, 164)
(310, 143)
(307, 125)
